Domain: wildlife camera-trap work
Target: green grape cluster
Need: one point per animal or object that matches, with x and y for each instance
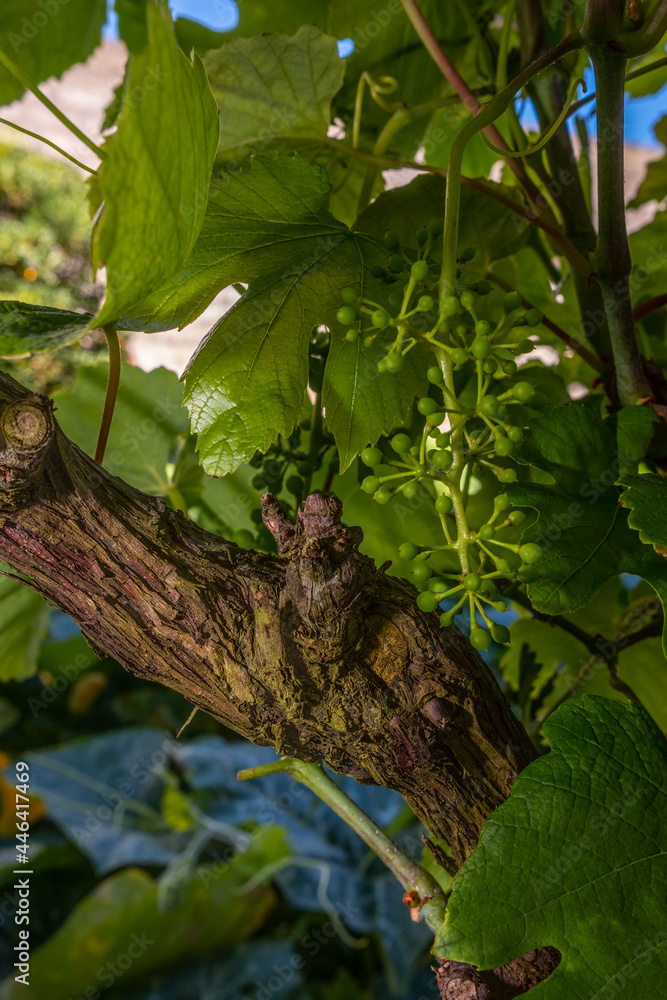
(455, 437)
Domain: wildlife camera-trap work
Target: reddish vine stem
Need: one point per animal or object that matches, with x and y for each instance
(451, 74)
(648, 307)
(112, 391)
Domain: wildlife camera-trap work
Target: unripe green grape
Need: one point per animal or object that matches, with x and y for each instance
(349, 294)
(530, 553)
(382, 366)
(480, 639)
(426, 405)
(490, 366)
(346, 315)
(528, 574)
(434, 375)
(486, 532)
(435, 419)
(515, 434)
(370, 484)
(378, 271)
(390, 279)
(510, 367)
(467, 255)
(442, 459)
(482, 328)
(467, 299)
(502, 501)
(500, 633)
(511, 301)
(395, 362)
(481, 348)
(408, 551)
(391, 240)
(383, 495)
(437, 585)
(423, 556)
(395, 300)
(519, 321)
(425, 303)
(395, 263)
(516, 518)
(462, 329)
(446, 620)
(534, 317)
(507, 476)
(380, 318)
(426, 601)
(436, 226)
(352, 335)
(488, 406)
(369, 340)
(295, 485)
(421, 572)
(371, 456)
(523, 391)
(244, 538)
(419, 270)
(410, 489)
(503, 447)
(444, 504)
(414, 451)
(459, 356)
(502, 566)
(525, 346)
(450, 304)
(304, 468)
(401, 443)
(472, 582)
(422, 236)
(483, 288)
(442, 438)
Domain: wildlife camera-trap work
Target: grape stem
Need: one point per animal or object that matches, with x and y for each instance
(113, 382)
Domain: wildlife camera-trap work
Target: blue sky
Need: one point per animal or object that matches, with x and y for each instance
(222, 15)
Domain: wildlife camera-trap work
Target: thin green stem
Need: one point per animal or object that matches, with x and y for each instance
(398, 120)
(112, 392)
(413, 877)
(488, 114)
(612, 260)
(25, 80)
(58, 149)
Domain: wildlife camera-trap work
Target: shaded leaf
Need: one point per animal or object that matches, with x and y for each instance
(132, 23)
(157, 170)
(646, 496)
(121, 917)
(24, 618)
(582, 529)
(575, 859)
(654, 185)
(26, 329)
(272, 88)
(45, 39)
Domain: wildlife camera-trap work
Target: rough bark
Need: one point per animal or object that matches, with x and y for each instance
(316, 652)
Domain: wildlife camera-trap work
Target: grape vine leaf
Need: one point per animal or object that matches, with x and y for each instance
(132, 23)
(646, 496)
(581, 527)
(44, 39)
(575, 859)
(27, 328)
(24, 617)
(246, 384)
(156, 173)
(258, 218)
(271, 88)
(653, 186)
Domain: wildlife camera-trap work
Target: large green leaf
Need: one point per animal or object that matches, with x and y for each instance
(273, 88)
(157, 169)
(485, 223)
(575, 859)
(26, 329)
(46, 37)
(646, 496)
(24, 617)
(132, 23)
(581, 528)
(121, 926)
(257, 219)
